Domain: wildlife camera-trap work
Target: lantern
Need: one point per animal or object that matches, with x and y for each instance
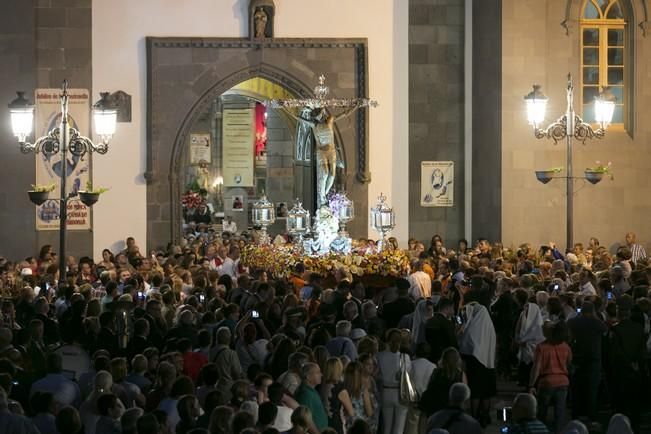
(264, 214)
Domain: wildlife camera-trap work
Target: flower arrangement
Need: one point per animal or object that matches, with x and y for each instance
(336, 201)
(191, 199)
(600, 168)
(280, 260)
(44, 188)
(98, 190)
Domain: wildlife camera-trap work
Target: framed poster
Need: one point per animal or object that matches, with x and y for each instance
(238, 203)
(238, 132)
(200, 148)
(48, 168)
(436, 183)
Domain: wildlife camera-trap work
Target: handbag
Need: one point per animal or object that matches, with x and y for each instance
(408, 393)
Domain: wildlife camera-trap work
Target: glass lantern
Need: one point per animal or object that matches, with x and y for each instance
(22, 117)
(264, 214)
(345, 213)
(383, 219)
(298, 222)
(536, 102)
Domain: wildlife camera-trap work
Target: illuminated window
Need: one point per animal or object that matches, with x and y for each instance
(604, 56)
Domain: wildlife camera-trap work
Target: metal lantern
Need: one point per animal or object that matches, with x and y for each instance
(345, 214)
(298, 222)
(264, 214)
(383, 219)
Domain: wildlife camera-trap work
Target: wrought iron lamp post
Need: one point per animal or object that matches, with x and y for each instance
(569, 126)
(64, 139)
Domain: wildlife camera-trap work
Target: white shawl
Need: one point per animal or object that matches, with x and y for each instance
(478, 334)
(529, 332)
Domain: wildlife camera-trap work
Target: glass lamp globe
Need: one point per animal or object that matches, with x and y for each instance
(22, 117)
(536, 103)
(105, 117)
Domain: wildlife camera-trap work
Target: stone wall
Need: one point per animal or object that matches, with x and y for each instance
(486, 119)
(17, 47)
(536, 49)
(436, 82)
(63, 51)
(41, 43)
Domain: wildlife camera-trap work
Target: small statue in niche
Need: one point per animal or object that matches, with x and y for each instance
(261, 19)
(260, 22)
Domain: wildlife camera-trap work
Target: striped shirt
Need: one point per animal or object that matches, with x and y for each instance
(637, 252)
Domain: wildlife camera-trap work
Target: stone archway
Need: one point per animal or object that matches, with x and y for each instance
(186, 74)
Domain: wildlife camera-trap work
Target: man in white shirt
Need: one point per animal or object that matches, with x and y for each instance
(420, 282)
(231, 263)
(229, 225)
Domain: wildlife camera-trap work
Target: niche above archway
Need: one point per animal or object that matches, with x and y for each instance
(184, 75)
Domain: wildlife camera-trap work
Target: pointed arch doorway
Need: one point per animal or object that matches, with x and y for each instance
(185, 76)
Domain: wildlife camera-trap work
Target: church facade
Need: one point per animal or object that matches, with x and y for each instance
(449, 76)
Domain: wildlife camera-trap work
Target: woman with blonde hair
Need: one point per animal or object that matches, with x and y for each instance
(220, 420)
(301, 420)
(359, 394)
(334, 395)
(449, 371)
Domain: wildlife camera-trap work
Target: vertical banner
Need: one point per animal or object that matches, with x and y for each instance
(238, 134)
(48, 168)
(200, 148)
(436, 183)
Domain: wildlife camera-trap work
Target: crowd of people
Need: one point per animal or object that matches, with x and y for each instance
(189, 340)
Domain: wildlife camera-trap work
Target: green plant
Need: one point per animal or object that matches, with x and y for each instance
(98, 190)
(558, 169)
(600, 168)
(44, 188)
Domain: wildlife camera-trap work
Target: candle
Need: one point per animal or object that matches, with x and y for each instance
(299, 222)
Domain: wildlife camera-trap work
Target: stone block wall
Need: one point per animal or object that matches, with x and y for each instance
(17, 48)
(436, 118)
(536, 49)
(63, 51)
(41, 43)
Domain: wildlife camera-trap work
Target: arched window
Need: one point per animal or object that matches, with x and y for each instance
(604, 56)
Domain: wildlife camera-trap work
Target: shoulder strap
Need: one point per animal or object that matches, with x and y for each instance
(221, 350)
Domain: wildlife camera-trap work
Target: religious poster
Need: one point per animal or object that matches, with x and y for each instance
(200, 148)
(238, 134)
(436, 183)
(48, 168)
(238, 203)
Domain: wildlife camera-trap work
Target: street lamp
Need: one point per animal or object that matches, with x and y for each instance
(63, 139)
(569, 126)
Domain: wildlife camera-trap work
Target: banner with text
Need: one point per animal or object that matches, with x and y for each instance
(436, 183)
(238, 135)
(48, 168)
